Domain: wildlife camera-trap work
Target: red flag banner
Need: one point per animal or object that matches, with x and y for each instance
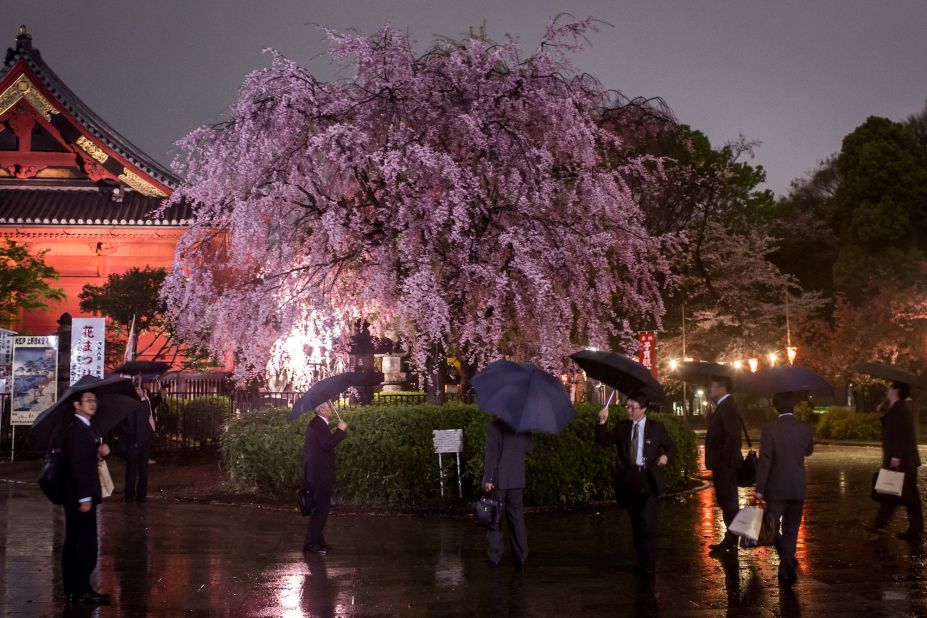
(647, 351)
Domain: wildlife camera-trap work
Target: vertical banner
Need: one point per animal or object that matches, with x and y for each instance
(88, 337)
(6, 359)
(647, 351)
(35, 377)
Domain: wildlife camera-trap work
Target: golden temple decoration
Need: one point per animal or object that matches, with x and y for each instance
(92, 149)
(140, 184)
(22, 88)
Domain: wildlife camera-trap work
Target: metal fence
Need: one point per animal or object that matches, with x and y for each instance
(194, 418)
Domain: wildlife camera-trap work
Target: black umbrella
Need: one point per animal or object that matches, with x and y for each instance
(701, 372)
(891, 373)
(331, 388)
(115, 399)
(773, 380)
(622, 373)
(148, 370)
(523, 396)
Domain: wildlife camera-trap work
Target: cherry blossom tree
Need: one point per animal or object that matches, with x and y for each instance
(469, 201)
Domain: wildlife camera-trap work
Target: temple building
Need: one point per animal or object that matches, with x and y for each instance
(71, 186)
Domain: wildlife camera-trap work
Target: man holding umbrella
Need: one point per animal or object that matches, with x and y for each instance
(82, 447)
(644, 449)
(319, 472)
(504, 475)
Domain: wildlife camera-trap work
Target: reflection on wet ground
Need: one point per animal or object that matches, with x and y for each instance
(166, 559)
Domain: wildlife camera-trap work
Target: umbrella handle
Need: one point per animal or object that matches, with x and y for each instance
(335, 410)
(610, 397)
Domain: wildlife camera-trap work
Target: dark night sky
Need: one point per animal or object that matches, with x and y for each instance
(797, 76)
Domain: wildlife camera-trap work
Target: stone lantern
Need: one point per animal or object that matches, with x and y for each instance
(361, 361)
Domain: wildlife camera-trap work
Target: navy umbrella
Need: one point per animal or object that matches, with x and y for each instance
(523, 396)
(622, 373)
(701, 372)
(116, 397)
(891, 373)
(771, 380)
(331, 388)
(148, 370)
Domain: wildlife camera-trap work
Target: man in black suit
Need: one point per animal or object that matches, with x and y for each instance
(644, 449)
(504, 476)
(723, 456)
(139, 436)
(780, 479)
(899, 452)
(82, 447)
(319, 473)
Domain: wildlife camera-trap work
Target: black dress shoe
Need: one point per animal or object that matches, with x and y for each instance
(910, 535)
(722, 547)
(316, 549)
(87, 598)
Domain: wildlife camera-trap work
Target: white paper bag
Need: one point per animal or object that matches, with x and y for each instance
(889, 482)
(747, 523)
(106, 481)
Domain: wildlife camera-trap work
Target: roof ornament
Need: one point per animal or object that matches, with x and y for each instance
(23, 40)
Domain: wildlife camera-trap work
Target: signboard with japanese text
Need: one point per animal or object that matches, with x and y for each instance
(6, 359)
(35, 377)
(88, 336)
(647, 351)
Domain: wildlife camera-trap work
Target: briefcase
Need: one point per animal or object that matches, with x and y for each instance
(51, 478)
(489, 513)
(304, 501)
(888, 486)
(748, 523)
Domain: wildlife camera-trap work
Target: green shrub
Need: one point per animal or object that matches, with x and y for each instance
(841, 423)
(202, 418)
(388, 457)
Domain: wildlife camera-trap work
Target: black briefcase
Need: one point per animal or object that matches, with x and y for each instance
(51, 478)
(304, 500)
(489, 513)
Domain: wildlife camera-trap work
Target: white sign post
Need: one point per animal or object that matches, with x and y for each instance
(6, 365)
(35, 379)
(88, 336)
(448, 441)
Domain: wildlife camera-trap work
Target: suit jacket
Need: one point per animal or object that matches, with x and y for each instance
(504, 459)
(657, 441)
(319, 453)
(780, 471)
(898, 437)
(138, 428)
(79, 443)
(722, 442)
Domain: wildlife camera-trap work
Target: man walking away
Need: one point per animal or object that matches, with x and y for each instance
(780, 479)
(139, 436)
(723, 456)
(504, 475)
(899, 453)
(319, 473)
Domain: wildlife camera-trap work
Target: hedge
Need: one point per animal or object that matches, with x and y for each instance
(388, 458)
(844, 424)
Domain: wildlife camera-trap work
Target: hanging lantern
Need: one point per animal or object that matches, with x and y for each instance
(754, 364)
(791, 352)
(773, 359)
(738, 365)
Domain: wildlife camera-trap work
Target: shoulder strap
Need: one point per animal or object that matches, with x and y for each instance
(746, 435)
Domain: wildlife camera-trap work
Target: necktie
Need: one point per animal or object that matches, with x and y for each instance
(634, 445)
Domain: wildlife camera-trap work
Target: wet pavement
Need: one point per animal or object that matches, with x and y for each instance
(167, 558)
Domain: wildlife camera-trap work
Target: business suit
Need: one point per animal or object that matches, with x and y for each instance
(780, 478)
(504, 467)
(900, 441)
(319, 474)
(638, 486)
(139, 436)
(79, 555)
(724, 458)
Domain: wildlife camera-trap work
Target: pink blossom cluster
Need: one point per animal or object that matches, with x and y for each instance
(468, 201)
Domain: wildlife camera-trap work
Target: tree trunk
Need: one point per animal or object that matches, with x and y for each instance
(436, 378)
